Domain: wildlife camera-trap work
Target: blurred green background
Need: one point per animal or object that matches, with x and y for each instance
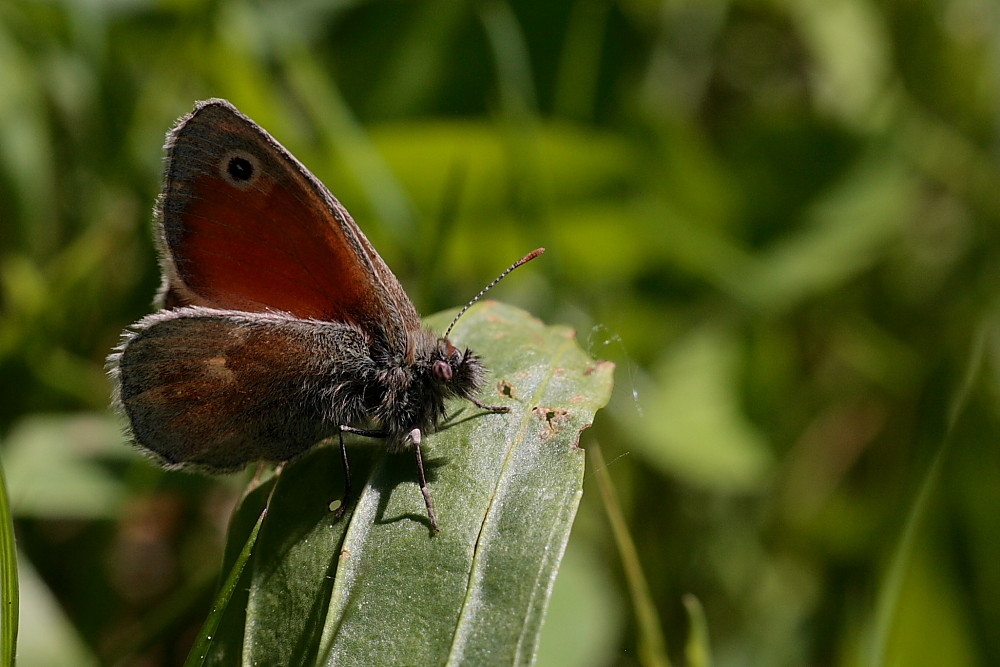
(778, 218)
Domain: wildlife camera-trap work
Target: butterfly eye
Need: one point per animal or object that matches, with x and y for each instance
(240, 169)
(442, 370)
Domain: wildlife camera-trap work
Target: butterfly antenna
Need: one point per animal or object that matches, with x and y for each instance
(524, 260)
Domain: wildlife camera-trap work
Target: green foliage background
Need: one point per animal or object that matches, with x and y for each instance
(778, 218)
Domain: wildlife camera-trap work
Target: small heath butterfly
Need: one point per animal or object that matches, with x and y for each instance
(279, 324)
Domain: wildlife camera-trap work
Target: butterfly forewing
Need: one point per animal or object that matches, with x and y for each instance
(246, 227)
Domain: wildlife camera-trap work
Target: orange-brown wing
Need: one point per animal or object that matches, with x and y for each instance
(220, 389)
(245, 226)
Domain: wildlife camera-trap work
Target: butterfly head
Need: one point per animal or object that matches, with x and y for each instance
(455, 372)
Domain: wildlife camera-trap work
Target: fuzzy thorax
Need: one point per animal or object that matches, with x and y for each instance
(411, 394)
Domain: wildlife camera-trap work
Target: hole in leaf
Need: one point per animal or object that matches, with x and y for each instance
(505, 388)
(552, 416)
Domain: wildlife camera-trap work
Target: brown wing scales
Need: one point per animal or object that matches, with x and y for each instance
(216, 389)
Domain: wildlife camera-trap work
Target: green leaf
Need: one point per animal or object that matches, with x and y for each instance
(47, 634)
(696, 429)
(376, 587)
(53, 463)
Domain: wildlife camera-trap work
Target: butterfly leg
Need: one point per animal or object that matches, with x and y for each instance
(424, 491)
(415, 437)
(346, 498)
(367, 433)
(491, 408)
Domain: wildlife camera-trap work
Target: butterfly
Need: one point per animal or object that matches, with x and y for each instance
(279, 325)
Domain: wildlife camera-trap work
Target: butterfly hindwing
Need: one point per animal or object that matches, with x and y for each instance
(215, 389)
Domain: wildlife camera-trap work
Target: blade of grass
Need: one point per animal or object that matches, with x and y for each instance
(200, 649)
(887, 602)
(697, 650)
(580, 61)
(652, 645)
(8, 580)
